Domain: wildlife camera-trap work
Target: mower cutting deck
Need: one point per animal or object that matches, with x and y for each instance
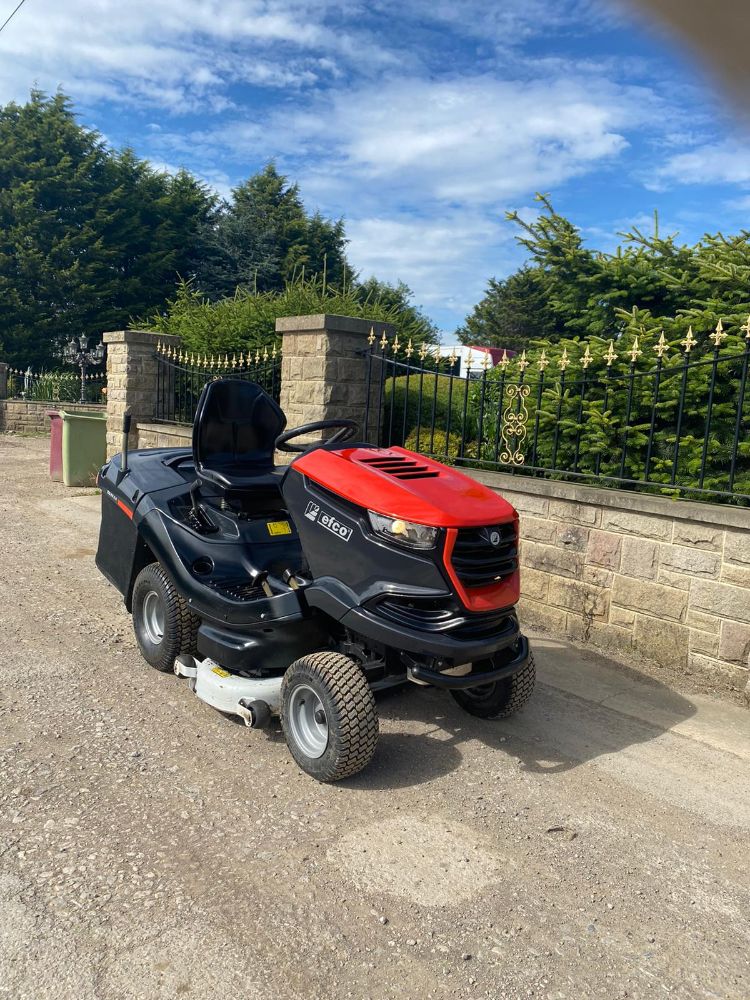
(299, 591)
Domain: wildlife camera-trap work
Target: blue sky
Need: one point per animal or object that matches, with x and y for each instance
(420, 121)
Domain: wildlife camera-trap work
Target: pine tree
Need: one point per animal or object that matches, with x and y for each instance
(513, 312)
(263, 238)
(53, 177)
(88, 237)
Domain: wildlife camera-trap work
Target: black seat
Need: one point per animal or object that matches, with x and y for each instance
(236, 426)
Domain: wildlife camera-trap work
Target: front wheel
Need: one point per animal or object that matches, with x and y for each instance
(328, 716)
(501, 698)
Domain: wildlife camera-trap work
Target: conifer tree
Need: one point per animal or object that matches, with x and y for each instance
(88, 237)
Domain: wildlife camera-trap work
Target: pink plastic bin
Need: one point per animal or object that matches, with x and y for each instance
(55, 446)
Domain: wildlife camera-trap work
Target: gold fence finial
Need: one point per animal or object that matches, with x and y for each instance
(504, 360)
(486, 361)
(383, 341)
(689, 342)
(635, 352)
(469, 360)
(746, 328)
(587, 358)
(423, 350)
(662, 347)
(610, 356)
(438, 355)
(718, 335)
(543, 361)
(371, 339)
(409, 350)
(395, 345)
(523, 364)
(564, 361)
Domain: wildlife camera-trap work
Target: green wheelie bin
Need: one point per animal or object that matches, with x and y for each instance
(84, 447)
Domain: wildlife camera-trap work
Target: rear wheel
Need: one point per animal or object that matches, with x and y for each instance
(164, 627)
(502, 698)
(328, 715)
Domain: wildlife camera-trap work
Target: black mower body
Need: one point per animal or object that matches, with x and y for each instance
(284, 564)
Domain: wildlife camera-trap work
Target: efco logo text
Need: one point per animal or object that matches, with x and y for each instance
(314, 513)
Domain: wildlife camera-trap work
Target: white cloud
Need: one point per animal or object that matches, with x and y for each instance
(182, 56)
(725, 162)
(443, 257)
(471, 141)
(477, 140)
(424, 169)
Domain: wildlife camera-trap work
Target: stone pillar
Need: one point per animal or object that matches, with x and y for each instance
(3, 380)
(324, 366)
(131, 381)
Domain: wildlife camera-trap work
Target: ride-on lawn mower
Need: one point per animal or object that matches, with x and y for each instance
(300, 590)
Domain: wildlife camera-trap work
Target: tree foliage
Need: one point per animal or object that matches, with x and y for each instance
(513, 311)
(247, 320)
(91, 237)
(88, 236)
(682, 418)
(262, 239)
(569, 290)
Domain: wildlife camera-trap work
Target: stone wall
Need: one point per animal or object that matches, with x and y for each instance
(636, 575)
(132, 381)
(165, 436)
(20, 417)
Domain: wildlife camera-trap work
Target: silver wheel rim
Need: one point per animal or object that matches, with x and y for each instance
(153, 617)
(305, 711)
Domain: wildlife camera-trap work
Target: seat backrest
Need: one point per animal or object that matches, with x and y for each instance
(236, 426)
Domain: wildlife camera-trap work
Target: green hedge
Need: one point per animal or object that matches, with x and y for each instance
(439, 399)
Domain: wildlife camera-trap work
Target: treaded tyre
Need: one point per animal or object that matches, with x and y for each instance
(501, 699)
(328, 715)
(163, 625)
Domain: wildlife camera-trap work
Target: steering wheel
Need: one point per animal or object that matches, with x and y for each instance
(347, 429)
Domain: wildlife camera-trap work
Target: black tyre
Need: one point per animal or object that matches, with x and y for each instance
(328, 715)
(501, 699)
(163, 625)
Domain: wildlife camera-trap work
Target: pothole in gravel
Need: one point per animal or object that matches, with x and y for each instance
(432, 864)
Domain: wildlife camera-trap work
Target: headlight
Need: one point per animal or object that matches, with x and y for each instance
(418, 536)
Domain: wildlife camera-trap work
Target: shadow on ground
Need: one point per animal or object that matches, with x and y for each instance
(558, 730)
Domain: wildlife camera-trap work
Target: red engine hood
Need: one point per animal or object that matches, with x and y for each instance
(400, 483)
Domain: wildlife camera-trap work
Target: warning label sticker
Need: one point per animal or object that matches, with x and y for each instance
(279, 527)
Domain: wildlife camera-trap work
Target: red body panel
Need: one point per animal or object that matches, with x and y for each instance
(448, 499)
(497, 595)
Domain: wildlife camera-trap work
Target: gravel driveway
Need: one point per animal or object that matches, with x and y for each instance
(597, 845)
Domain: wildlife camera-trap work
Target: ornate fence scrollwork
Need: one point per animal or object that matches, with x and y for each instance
(513, 427)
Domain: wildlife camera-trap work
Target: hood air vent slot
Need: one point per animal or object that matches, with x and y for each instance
(400, 467)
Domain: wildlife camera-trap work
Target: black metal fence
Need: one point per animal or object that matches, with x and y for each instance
(57, 386)
(675, 424)
(181, 377)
